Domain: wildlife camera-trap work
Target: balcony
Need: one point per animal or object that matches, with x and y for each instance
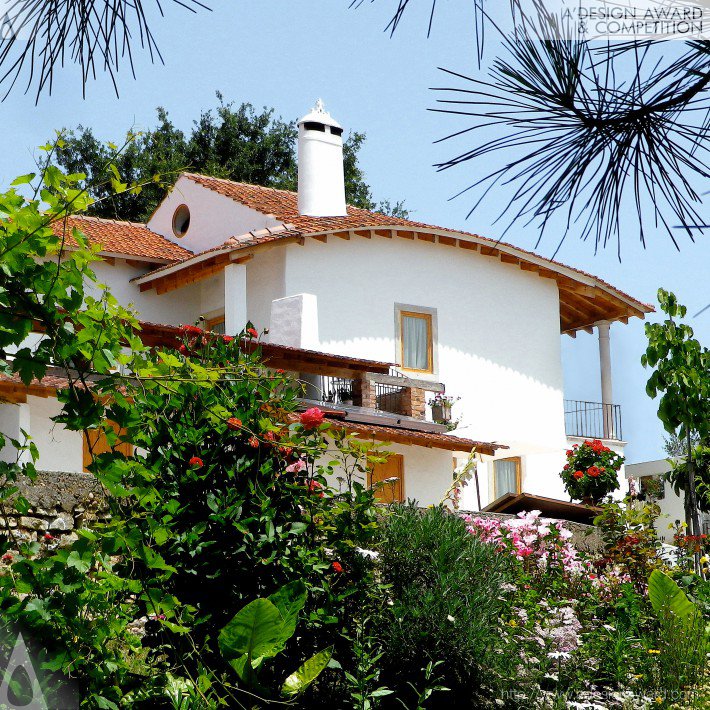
(593, 420)
(390, 393)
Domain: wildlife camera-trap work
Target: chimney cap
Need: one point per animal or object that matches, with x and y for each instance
(318, 114)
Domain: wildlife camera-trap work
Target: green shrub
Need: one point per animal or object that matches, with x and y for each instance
(445, 593)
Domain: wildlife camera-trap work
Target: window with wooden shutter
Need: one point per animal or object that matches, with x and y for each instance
(95, 443)
(392, 468)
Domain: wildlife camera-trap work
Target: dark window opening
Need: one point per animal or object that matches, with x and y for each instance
(336, 131)
(313, 126)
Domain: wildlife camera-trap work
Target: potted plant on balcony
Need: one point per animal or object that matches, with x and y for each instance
(345, 396)
(441, 407)
(591, 471)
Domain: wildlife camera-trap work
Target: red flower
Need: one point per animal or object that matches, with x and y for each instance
(593, 471)
(227, 338)
(234, 424)
(183, 350)
(253, 441)
(578, 475)
(314, 486)
(48, 537)
(191, 329)
(569, 452)
(566, 466)
(251, 332)
(312, 418)
(337, 567)
(7, 558)
(196, 461)
(285, 451)
(280, 371)
(270, 436)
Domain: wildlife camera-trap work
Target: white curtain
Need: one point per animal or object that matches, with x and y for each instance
(506, 477)
(415, 343)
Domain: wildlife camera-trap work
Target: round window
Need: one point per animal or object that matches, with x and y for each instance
(181, 221)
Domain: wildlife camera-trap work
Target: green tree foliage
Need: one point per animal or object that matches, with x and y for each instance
(234, 142)
(224, 501)
(681, 376)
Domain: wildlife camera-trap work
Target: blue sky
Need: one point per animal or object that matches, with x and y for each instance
(285, 54)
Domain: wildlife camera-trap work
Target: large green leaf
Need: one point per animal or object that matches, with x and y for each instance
(289, 600)
(256, 630)
(666, 595)
(298, 681)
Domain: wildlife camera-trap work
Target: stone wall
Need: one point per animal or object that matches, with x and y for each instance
(59, 504)
(585, 538)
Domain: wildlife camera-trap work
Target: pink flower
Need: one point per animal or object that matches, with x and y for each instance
(296, 467)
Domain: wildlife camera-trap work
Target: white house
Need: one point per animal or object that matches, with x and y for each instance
(448, 309)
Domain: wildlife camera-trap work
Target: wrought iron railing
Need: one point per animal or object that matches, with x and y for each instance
(338, 390)
(592, 420)
(335, 390)
(388, 398)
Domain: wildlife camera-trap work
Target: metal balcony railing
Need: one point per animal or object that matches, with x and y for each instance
(592, 420)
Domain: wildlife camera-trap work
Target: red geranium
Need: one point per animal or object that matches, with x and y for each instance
(196, 461)
(315, 487)
(191, 329)
(337, 567)
(251, 332)
(227, 338)
(183, 350)
(312, 418)
(234, 424)
(253, 441)
(578, 474)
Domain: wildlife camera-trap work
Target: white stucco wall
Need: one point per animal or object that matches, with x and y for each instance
(59, 449)
(497, 329)
(428, 473)
(213, 217)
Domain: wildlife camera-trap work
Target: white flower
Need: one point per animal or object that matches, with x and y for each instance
(450, 618)
(367, 553)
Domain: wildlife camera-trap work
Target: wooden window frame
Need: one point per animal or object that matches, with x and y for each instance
(215, 320)
(402, 493)
(430, 339)
(518, 475)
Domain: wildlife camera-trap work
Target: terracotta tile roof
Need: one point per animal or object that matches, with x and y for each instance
(125, 238)
(413, 437)
(283, 206)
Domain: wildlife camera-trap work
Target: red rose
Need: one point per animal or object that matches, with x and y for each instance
(566, 466)
(312, 418)
(337, 567)
(196, 461)
(253, 441)
(227, 338)
(593, 471)
(251, 332)
(234, 424)
(578, 475)
(191, 329)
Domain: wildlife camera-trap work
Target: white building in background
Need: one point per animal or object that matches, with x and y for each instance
(450, 310)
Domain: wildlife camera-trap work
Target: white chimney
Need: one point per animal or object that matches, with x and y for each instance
(321, 183)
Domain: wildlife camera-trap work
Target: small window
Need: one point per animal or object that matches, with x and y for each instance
(216, 325)
(506, 476)
(313, 126)
(181, 221)
(336, 131)
(417, 341)
(393, 468)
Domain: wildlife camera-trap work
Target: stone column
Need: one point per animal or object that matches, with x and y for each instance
(364, 392)
(603, 328)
